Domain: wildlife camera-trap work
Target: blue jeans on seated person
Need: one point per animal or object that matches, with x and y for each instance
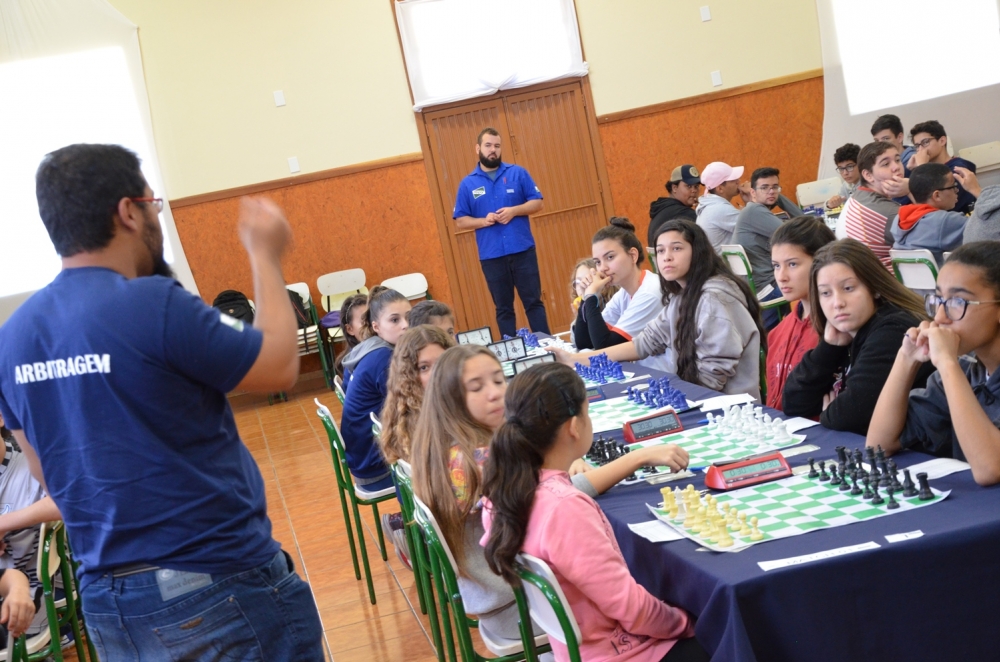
(267, 613)
(378, 485)
(770, 318)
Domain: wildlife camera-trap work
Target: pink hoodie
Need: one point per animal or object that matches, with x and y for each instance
(619, 620)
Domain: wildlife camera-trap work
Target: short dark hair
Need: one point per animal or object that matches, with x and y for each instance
(927, 178)
(848, 152)
(762, 173)
(425, 310)
(869, 155)
(980, 255)
(487, 131)
(933, 127)
(78, 190)
(807, 232)
(890, 122)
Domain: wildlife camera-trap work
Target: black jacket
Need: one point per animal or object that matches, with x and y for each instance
(662, 210)
(865, 364)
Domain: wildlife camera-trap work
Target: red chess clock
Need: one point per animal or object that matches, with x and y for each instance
(651, 427)
(748, 471)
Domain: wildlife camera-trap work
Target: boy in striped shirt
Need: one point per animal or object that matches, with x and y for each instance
(868, 214)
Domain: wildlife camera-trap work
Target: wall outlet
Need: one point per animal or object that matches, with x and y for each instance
(279, 98)
(716, 78)
(706, 14)
(293, 164)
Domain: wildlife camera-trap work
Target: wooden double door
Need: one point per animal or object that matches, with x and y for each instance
(549, 132)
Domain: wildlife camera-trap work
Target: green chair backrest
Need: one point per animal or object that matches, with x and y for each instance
(337, 451)
(736, 258)
(338, 387)
(547, 603)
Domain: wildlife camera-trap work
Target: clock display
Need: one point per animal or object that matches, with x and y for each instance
(760, 467)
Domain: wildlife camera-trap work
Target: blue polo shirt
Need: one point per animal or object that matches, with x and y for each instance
(120, 387)
(478, 195)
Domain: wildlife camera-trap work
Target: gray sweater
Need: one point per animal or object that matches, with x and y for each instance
(984, 224)
(754, 228)
(727, 344)
(717, 217)
(938, 232)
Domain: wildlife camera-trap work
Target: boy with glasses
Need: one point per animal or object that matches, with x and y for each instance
(754, 227)
(931, 142)
(846, 158)
(956, 414)
(929, 223)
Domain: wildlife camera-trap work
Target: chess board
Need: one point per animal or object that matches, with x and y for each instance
(589, 383)
(796, 505)
(611, 414)
(707, 447)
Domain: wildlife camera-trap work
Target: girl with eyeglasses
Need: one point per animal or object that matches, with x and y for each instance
(860, 314)
(954, 415)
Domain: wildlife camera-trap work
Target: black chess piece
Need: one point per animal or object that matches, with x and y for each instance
(834, 476)
(868, 492)
(855, 490)
(843, 480)
(812, 469)
(892, 504)
(894, 474)
(909, 489)
(841, 454)
(925, 493)
(823, 476)
(880, 454)
(885, 480)
(877, 499)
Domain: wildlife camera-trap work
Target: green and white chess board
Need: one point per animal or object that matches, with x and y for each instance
(609, 415)
(793, 506)
(707, 447)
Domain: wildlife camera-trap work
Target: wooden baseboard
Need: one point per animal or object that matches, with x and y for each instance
(710, 96)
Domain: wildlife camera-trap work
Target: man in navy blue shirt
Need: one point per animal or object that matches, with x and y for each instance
(931, 142)
(113, 380)
(495, 200)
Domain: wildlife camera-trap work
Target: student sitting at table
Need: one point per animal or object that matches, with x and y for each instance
(463, 406)
(956, 414)
(578, 284)
(619, 258)
(531, 505)
(846, 160)
(867, 215)
(792, 248)
(435, 313)
(929, 223)
(860, 314)
(709, 332)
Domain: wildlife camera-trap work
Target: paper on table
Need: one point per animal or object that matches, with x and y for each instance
(798, 423)
(655, 531)
(725, 401)
(900, 537)
(818, 556)
(939, 467)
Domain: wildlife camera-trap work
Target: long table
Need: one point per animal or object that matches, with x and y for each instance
(934, 597)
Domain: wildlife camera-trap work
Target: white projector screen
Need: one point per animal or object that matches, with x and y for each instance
(896, 52)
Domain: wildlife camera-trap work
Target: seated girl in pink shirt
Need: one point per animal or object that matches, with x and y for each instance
(532, 506)
(462, 406)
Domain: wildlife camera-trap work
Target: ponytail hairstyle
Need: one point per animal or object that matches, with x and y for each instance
(705, 264)
(623, 232)
(405, 393)
(347, 309)
(378, 298)
(444, 423)
(981, 255)
(539, 401)
(605, 295)
(870, 271)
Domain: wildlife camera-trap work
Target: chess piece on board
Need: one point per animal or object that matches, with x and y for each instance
(909, 489)
(755, 533)
(877, 499)
(812, 469)
(823, 476)
(925, 493)
(892, 504)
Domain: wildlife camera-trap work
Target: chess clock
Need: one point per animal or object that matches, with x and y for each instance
(595, 394)
(749, 471)
(509, 350)
(481, 336)
(523, 364)
(652, 426)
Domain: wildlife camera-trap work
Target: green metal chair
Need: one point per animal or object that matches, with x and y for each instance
(736, 257)
(763, 375)
(916, 269)
(454, 621)
(54, 557)
(357, 496)
(547, 603)
(338, 388)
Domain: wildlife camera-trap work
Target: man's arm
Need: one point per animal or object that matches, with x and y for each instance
(473, 223)
(44, 510)
(505, 215)
(265, 234)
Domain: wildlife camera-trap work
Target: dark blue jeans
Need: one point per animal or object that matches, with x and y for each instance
(520, 271)
(267, 613)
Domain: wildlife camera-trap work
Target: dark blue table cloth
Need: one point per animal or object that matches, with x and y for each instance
(935, 597)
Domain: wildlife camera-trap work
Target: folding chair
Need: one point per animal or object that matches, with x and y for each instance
(310, 339)
(444, 571)
(547, 603)
(736, 257)
(336, 286)
(357, 495)
(916, 269)
(338, 388)
(412, 286)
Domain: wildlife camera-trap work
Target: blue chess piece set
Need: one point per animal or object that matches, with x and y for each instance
(530, 339)
(659, 394)
(601, 369)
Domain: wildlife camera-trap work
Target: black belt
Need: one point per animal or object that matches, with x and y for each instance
(132, 569)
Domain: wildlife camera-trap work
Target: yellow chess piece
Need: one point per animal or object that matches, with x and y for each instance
(702, 520)
(708, 533)
(744, 529)
(755, 534)
(668, 496)
(725, 540)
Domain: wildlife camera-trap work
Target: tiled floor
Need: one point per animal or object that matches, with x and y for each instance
(289, 443)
